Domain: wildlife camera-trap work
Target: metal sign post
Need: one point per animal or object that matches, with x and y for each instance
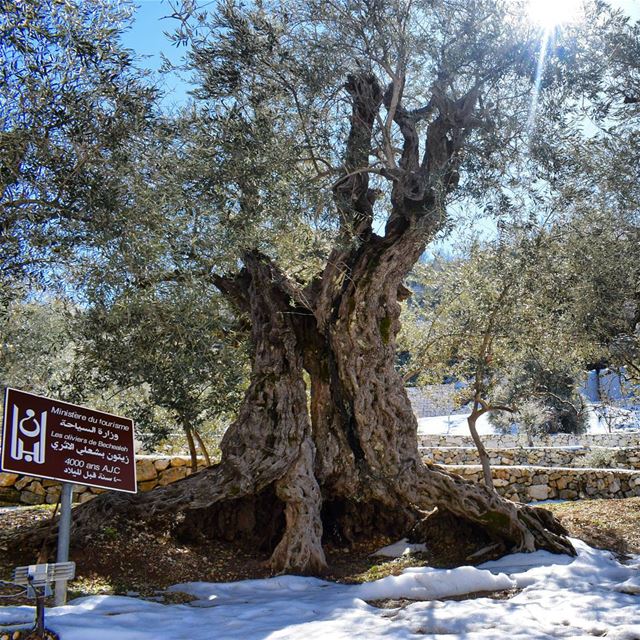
(64, 535)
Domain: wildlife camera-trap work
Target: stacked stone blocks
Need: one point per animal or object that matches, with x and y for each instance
(151, 472)
(553, 469)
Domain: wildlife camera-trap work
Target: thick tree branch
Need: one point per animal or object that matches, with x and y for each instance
(234, 287)
(352, 195)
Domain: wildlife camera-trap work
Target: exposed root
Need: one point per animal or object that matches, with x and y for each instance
(165, 507)
(518, 526)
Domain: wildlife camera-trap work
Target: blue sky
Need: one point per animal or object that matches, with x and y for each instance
(147, 38)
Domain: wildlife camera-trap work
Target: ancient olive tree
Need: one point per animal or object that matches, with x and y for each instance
(380, 112)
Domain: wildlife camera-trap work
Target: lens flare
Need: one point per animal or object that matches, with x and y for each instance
(550, 13)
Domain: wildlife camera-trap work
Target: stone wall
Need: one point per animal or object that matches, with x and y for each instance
(622, 439)
(523, 483)
(627, 458)
(151, 471)
(530, 484)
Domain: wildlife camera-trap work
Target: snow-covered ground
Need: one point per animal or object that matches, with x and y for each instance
(589, 596)
(453, 425)
(601, 419)
(620, 411)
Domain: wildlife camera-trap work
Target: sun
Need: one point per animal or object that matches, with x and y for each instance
(551, 13)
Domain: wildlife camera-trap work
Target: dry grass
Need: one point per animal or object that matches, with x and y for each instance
(605, 524)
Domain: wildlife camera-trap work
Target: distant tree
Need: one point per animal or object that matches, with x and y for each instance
(530, 415)
(551, 388)
(177, 343)
(492, 319)
(460, 327)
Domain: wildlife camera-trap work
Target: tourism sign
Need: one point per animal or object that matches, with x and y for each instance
(47, 438)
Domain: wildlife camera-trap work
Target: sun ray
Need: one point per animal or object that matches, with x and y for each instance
(533, 107)
(548, 14)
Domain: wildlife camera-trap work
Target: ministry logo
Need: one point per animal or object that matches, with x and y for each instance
(29, 434)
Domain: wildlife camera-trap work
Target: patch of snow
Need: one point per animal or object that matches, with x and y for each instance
(453, 425)
(632, 585)
(424, 583)
(517, 563)
(401, 548)
(600, 419)
(603, 418)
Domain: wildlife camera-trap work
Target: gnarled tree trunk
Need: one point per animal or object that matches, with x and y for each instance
(269, 445)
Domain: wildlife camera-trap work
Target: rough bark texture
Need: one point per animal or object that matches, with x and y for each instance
(347, 463)
(300, 548)
(269, 444)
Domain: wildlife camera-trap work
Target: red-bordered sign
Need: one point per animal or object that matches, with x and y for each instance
(47, 438)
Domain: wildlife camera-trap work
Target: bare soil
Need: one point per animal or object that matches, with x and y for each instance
(125, 559)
